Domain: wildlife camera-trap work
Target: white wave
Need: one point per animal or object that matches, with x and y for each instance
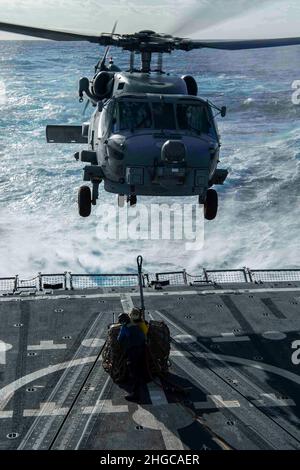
(248, 101)
(3, 96)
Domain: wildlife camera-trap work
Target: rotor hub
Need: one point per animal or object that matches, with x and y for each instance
(143, 41)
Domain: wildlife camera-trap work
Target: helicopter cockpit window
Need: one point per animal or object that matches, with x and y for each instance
(134, 115)
(164, 117)
(193, 117)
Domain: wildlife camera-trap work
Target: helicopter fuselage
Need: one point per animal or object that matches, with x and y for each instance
(150, 135)
(152, 138)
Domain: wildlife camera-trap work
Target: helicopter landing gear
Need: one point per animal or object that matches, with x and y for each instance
(95, 196)
(132, 200)
(121, 200)
(84, 201)
(211, 205)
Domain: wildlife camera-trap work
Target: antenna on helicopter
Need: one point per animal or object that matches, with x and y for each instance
(101, 64)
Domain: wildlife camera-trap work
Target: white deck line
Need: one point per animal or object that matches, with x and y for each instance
(217, 402)
(46, 346)
(8, 391)
(231, 339)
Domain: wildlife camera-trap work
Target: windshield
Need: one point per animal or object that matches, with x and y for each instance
(191, 117)
(164, 116)
(134, 115)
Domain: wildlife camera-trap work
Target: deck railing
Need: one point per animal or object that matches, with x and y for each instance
(69, 281)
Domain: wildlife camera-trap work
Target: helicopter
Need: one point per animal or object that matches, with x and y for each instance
(150, 133)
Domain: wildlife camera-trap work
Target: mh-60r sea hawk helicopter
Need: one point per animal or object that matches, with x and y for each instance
(150, 133)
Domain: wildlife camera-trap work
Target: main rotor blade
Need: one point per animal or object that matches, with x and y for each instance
(55, 35)
(208, 14)
(240, 44)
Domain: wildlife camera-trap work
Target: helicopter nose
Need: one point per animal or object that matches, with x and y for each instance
(173, 151)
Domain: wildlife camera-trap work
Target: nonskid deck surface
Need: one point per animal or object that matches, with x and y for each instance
(231, 355)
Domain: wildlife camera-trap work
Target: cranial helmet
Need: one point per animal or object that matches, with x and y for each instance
(135, 314)
(123, 318)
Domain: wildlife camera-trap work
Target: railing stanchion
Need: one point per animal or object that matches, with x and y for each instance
(245, 271)
(40, 281)
(71, 281)
(65, 281)
(16, 283)
(140, 273)
(250, 275)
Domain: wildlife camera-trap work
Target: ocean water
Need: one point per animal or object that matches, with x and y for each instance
(259, 218)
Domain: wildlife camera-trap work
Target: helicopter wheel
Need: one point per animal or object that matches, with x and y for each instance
(84, 201)
(132, 200)
(211, 205)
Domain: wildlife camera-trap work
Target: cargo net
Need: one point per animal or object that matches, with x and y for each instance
(114, 359)
(227, 277)
(53, 281)
(175, 279)
(96, 281)
(28, 283)
(292, 275)
(7, 284)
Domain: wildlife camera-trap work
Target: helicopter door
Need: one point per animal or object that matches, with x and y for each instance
(104, 127)
(105, 121)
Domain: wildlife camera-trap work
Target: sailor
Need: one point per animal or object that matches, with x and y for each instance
(123, 319)
(136, 316)
(133, 339)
